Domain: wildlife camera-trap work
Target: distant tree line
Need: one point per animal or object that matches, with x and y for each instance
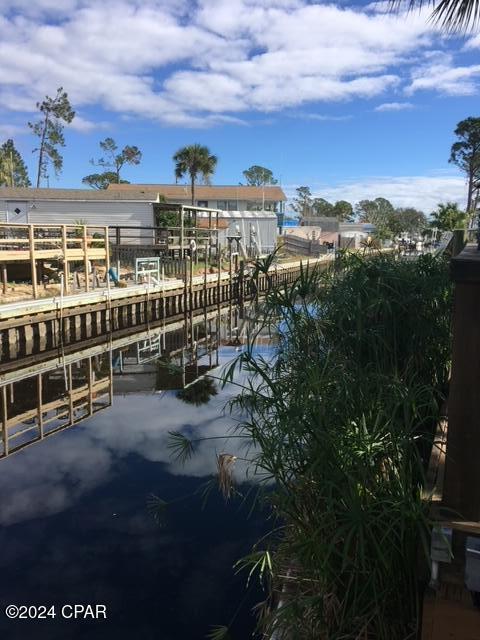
(389, 221)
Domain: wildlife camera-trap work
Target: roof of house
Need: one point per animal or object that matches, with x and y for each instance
(27, 193)
(204, 192)
(145, 192)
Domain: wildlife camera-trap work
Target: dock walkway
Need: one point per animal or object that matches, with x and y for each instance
(40, 326)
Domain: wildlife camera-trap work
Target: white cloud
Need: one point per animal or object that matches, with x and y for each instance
(11, 130)
(320, 117)
(422, 192)
(194, 65)
(441, 75)
(394, 106)
(83, 456)
(85, 126)
(473, 42)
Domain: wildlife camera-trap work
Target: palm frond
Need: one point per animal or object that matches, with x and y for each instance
(157, 507)
(182, 447)
(219, 632)
(452, 15)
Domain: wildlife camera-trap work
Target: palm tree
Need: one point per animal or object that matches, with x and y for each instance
(195, 159)
(453, 15)
(448, 217)
(199, 392)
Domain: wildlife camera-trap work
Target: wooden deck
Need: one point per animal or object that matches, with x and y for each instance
(30, 328)
(448, 609)
(36, 244)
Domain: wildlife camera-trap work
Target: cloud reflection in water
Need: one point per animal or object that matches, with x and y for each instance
(50, 476)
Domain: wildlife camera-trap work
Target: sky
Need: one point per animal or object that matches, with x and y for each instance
(345, 98)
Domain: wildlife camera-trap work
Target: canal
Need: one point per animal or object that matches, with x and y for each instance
(96, 510)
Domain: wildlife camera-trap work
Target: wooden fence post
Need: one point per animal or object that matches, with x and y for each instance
(66, 274)
(85, 257)
(107, 255)
(33, 263)
(4, 277)
(462, 468)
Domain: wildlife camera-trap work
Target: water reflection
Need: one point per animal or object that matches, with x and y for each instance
(47, 397)
(40, 404)
(74, 519)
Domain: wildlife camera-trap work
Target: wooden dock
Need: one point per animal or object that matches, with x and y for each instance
(57, 392)
(55, 324)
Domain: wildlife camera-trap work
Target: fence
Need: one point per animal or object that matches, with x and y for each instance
(171, 245)
(305, 246)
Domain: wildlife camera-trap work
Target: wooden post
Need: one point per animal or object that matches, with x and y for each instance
(181, 232)
(85, 258)
(107, 257)
(94, 276)
(110, 377)
(191, 294)
(70, 393)
(90, 385)
(40, 405)
(462, 468)
(4, 277)
(66, 274)
(230, 285)
(205, 279)
(219, 261)
(5, 420)
(241, 276)
(33, 264)
(458, 241)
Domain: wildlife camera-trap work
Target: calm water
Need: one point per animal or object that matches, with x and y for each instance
(76, 518)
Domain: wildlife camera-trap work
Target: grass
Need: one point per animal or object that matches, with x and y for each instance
(343, 425)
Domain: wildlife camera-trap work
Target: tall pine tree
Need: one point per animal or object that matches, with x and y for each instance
(49, 130)
(13, 171)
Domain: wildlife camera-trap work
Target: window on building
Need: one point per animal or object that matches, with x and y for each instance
(258, 205)
(232, 205)
(271, 206)
(202, 203)
(222, 204)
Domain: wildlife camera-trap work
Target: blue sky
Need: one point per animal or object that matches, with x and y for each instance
(347, 99)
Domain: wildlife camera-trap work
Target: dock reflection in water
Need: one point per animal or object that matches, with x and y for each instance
(74, 519)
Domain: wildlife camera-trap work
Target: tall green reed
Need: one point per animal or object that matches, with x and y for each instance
(342, 423)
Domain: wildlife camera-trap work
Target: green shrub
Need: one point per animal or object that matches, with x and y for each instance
(343, 424)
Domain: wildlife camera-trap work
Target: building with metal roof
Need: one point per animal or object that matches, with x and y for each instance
(134, 206)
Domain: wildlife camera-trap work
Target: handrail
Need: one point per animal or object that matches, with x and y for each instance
(38, 225)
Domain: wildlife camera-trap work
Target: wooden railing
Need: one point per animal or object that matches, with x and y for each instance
(451, 607)
(37, 243)
(161, 237)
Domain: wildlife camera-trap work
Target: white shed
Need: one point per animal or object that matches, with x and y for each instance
(254, 226)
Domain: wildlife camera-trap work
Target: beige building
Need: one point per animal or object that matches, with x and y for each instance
(224, 197)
